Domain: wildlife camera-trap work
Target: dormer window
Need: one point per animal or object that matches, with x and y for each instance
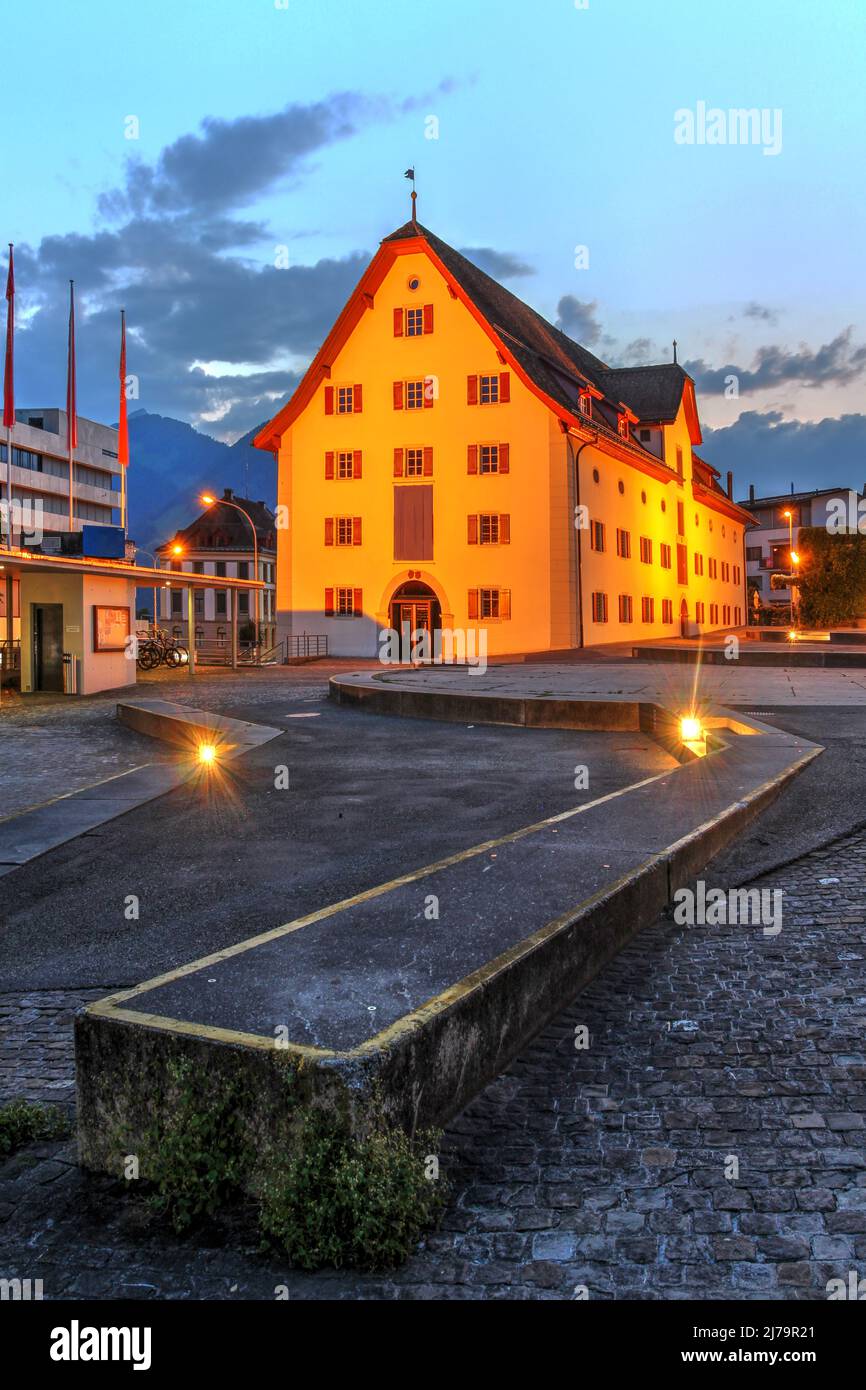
(623, 426)
(585, 403)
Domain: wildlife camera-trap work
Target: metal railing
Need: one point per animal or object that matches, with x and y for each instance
(308, 644)
(10, 662)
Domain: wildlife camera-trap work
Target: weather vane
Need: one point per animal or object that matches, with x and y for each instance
(410, 174)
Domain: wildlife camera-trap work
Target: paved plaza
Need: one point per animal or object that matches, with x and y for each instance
(606, 1168)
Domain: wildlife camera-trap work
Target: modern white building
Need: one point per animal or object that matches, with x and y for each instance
(36, 482)
(40, 471)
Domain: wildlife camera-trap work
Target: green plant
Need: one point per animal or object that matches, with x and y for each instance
(337, 1199)
(195, 1154)
(22, 1121)
(833, 577)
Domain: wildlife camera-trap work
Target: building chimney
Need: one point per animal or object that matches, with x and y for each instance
(730, 485)
(751, 492)
(228, 494)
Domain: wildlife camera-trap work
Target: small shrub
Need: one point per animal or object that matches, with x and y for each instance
(338, 1200)
(195, 1155)
(21, 1122)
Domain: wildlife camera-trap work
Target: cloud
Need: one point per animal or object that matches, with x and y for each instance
(753, 310)
(198, 280)
(502, 265)
(577, 318)
(230, 162)
(836, 363)
(765, 449)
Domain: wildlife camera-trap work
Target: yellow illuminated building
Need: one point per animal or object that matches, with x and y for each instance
(452, 459)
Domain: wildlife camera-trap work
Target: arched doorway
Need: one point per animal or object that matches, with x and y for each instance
(684, 618)
(415, 606)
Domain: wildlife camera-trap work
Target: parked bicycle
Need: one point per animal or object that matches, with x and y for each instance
(158, 649)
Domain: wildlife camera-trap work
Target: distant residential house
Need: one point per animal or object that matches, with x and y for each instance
(452, 460)
(219, 544)
(773, 534)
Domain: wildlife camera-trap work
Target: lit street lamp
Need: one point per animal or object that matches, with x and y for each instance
(210, 501)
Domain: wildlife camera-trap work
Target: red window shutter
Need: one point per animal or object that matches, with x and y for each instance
(356, 464)
(505, 603)
(472, 390)
(504, 528)
(504, 459)
(428, 318)
(329, 400)
(358, 402)
(398, 395)
(356, 530)
(329, 603)
(473, 530)
(428, 463)
(473, 603)
(358, 602)
(329, 465)
(398, 323)
(329, 530)
(472, 459)
(398, 463)
(505, 386)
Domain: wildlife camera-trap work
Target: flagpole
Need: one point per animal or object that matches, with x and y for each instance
(122, 426)
(71, 421)
(9, 399)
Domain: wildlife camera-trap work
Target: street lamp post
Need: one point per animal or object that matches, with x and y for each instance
(156, 567)
(792, 559)
(210, 501)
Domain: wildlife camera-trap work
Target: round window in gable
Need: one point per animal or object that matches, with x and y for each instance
(595, 475)
(621, 486)
(414, 283)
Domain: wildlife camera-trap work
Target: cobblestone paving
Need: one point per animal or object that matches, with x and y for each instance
(602, 1168)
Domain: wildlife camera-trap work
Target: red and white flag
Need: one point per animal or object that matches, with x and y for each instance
(71, 415)
(123, 428)
(9, 373)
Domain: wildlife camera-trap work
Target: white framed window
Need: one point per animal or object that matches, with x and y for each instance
(414, 463)
(345, 400)
(488, 387)
(414, 395)
(488, 458)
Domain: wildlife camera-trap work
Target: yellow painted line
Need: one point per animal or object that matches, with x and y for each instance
(64, 796)
(322, 913)
(437, 1004)
(102, 1009)
(107, 1008)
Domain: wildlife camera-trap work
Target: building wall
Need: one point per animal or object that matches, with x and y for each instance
(78, 595)
(373, 357)
(97, 500)
(707, 533)
(538, 566)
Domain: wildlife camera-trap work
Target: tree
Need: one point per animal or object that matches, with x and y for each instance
(832, 577)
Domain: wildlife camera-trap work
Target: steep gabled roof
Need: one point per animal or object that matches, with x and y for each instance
(554, 364)
(654, 393)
